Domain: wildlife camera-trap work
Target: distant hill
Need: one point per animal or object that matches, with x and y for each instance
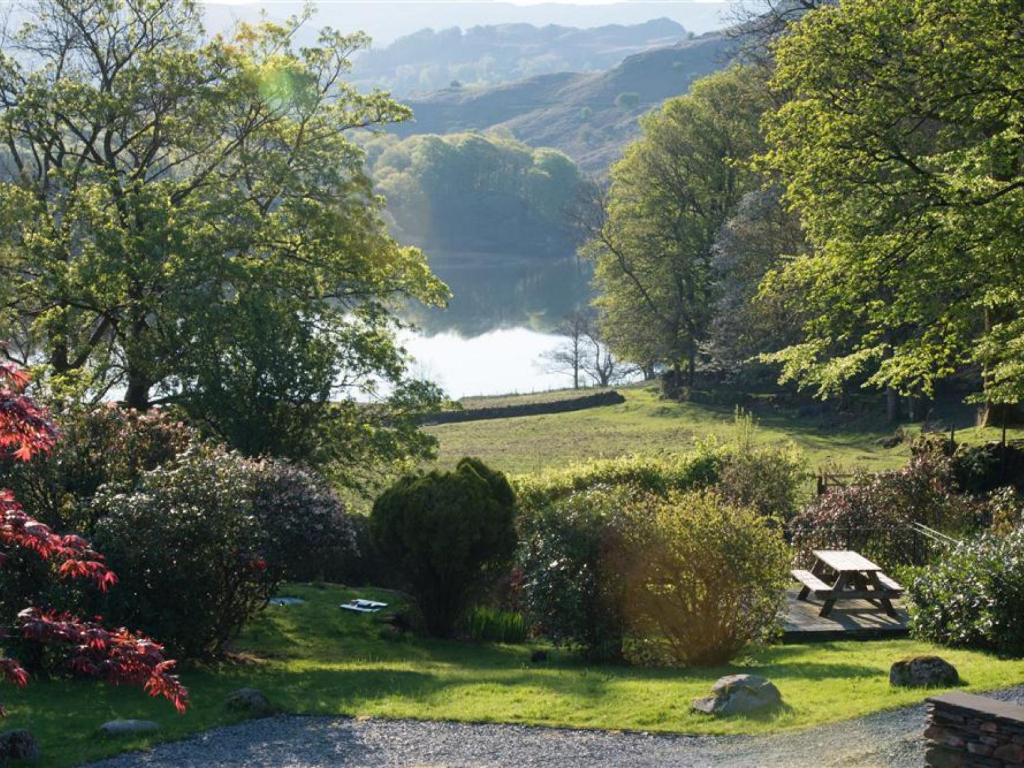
(589, 116)
(428, 60)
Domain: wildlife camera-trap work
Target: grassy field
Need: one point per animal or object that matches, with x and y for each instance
(317, 659)
(646, 424)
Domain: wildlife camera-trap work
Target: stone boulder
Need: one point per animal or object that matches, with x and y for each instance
(923, 672)
(128, 727)
(249, 701)
(739, 694)
(18, 745)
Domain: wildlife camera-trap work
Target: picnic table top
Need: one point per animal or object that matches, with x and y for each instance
(845, 561)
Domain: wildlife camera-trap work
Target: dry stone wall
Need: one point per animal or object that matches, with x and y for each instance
(967, 731)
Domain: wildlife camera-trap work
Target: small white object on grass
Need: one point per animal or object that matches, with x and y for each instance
(363, 606)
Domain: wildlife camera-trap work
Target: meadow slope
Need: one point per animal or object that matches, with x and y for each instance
(646, 424)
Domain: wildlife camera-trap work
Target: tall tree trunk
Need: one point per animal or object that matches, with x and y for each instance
(917, 408)
(994, 414)
(136, 396)
(998, 415)
(892, 405)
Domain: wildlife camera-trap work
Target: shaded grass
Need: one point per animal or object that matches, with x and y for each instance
(317, 659)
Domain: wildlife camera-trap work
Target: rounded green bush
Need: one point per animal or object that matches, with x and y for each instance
(619, 573)
(449, 535)
(705, 577)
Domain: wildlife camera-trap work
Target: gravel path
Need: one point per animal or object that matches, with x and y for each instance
(884, 740)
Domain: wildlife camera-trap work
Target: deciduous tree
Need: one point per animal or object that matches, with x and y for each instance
(901, 147)
(669, 195)
(160, 186)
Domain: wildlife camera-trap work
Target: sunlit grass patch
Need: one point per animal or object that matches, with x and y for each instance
(317, 659)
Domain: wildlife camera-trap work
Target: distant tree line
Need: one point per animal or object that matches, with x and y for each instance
(471, 192)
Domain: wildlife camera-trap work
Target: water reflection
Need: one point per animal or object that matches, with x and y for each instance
(495, 292)
(493, 335)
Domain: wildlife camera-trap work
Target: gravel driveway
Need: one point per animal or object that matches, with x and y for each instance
(884, 740)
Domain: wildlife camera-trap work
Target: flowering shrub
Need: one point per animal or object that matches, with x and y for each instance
(203, 571)
(100, 445)
(308, 534)
(872, 516)
(118, 656)
(449, 535)
(973, 596)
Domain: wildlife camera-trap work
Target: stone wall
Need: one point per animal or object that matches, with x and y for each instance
(565, 405)
(966, 731)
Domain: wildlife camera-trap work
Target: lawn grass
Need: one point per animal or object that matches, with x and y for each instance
(646, 424)
(317, 659)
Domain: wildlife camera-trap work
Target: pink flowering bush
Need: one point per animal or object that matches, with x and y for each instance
(205, 571)
(308, 534)
(873, 515)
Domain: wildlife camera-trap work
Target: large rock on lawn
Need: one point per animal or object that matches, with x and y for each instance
(923, 672)
(18, 745)
(128, 727)
(739, 694)
(251, 701)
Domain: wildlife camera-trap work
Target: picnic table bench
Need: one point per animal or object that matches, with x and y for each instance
(852, 577)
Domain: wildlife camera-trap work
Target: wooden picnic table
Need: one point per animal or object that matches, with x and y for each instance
(852, 577)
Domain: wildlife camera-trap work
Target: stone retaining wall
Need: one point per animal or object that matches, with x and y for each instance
(527, 409)
(966, 731)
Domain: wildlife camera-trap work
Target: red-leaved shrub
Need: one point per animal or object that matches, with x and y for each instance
(118, 656)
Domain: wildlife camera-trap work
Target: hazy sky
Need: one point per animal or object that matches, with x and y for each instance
(387, 19)
(259, 3)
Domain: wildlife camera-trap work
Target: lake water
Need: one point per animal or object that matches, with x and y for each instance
(491, 338)
(498, 362)
(491, 292)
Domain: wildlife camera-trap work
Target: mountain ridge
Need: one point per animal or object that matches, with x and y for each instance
(589, 116)
(430, 59)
